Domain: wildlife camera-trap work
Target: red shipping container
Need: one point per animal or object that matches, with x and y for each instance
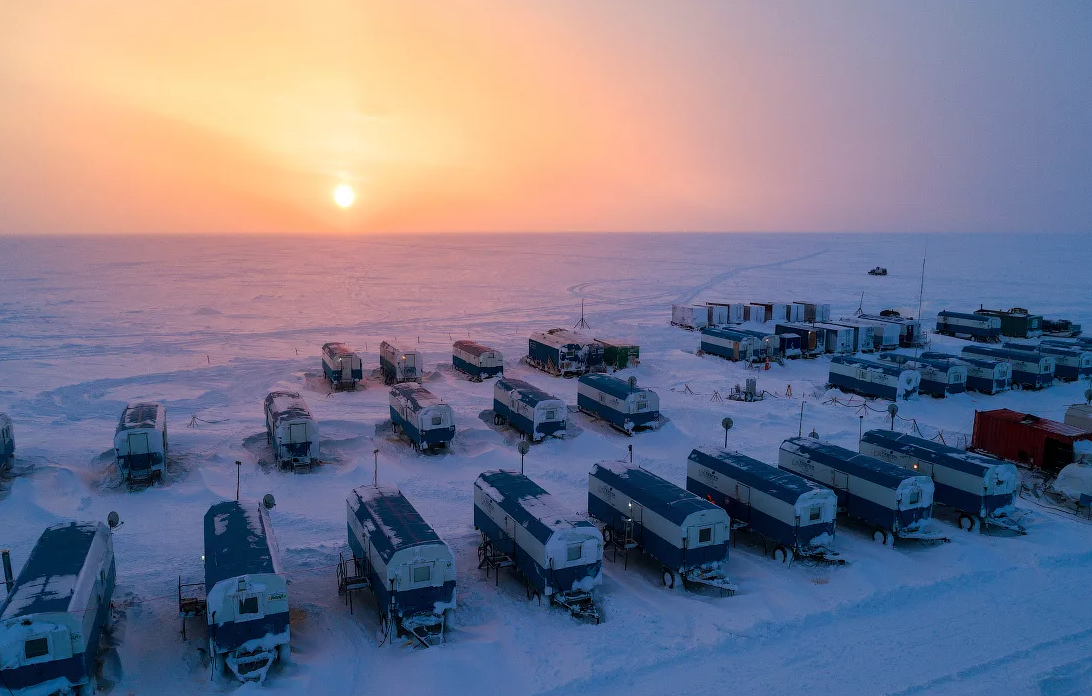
(1026, 439)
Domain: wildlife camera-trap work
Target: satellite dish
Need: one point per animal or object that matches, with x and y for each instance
(269, 501)
(523, 447)
(813, 435)
(632, 381)
(892, 409)
(113, 520)
(727, 424)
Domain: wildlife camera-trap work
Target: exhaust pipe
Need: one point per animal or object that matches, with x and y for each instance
(8, 580)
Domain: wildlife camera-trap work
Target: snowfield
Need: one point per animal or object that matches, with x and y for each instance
(210, 326)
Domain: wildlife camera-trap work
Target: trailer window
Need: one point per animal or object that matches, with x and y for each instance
(248, 605)
(815, 514)
(422, 573)
(705, 535)
(642, 405)
(437, 420)
(551, 414)
(915, 497)
(575, 552)
(36, 647)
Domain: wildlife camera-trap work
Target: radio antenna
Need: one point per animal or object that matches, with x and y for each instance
(921, 289)
(582, 324)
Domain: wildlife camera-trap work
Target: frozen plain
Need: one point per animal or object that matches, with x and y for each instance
(209, 326)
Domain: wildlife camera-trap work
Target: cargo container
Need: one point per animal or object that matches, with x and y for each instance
(619, 355)
(1016, 322)
(1026, 439)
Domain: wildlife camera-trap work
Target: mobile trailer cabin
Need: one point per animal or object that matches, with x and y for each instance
(528, 409)
(775, 311)
(815, 312)
(1015, 322)
(812, 340)
(1079, 342)
(732, 312)
(52, 620)
(910, 335)
(477, 360)
(732, 345)
(563, 353)
(685, 533)
(1070, 364)
(245, 588)
(422, 416)
(1029, 370)
(758, 313)
(400, 363)
(140, 443)
(871, 378)
(885, 336)
(968, 325)
(291, 429)
(939, 377)
(559, 554)
(1026, 439)
(718, 314)
(839, 339)
(619, 355)
(410, 569)
(1061, 328)
(693, 317)
(981, 488)
(341, 365)
(772, 342)
(789, 510)
(625, 406)
(983, 374)
(863, 334)
(895, 501)
(1079, 416)
(7, 441)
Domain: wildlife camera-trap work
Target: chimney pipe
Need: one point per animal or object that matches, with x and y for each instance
(8, 581)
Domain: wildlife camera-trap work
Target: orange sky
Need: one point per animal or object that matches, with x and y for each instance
(185, 116)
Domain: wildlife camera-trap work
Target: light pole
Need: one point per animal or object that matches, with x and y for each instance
(727, 425)
(375, 475)
(631, 454)
(238, 476)
(892, 409)
(523, 448)
(860, 431)
(800, 428)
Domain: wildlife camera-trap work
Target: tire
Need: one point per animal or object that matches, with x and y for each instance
(668, 578)
(968, 523)
(880, 535)
(608, 536)
(781, 554)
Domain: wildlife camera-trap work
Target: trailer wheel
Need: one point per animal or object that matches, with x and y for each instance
(536, 597)
(668, 578)
(880, 535)
(608, 536)
(781, 554)
(968, 523)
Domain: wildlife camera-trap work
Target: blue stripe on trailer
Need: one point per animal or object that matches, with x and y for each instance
(1028, 369)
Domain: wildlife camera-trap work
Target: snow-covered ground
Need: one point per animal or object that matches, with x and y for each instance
(209, 326)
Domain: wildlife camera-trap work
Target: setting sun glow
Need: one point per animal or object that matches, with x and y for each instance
(344, 195)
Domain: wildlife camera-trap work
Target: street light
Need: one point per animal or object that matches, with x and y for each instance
(860, 431)
(727, 425)
(523, 448)
(238, 475)
(375, 475)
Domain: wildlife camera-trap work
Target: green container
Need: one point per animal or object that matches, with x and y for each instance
(618, 355)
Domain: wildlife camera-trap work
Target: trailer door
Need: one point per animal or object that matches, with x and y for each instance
(637, 513)
(138, 443)
(743, 495)
(297, 432)
(409, 361)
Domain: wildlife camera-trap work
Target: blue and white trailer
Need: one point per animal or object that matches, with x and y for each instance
(909, 329)
(341, 365)
(245, 589)
(7, 441)
(939, 377)
(898, 503)
(411, 571)
(1070, 364)
(983, 374)
(773, 344)
(52, 620)
(863, 334)
(839, 339)
(140, 443)
(1029, 370)
(559, 555)
(623, 404)
(291, 430)
(685, 533)
(873, 378)
(476, 360)
(399, 363)
(1079, 342)
(982, 489)
(812, 341)
(422, 416)
(732, 345)
(966, 324)
(795, 514)
(528, 409)
(563, 353)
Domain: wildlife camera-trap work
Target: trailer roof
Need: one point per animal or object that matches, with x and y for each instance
(760, 476)
(935, 452)
(730, 334)
(796, 326)
(860, 465)
(1048, 349)
(1054, 427)
(528, 504)
(965, 315)
(287, 405)
(910, 361)
(396, 347)
(977, 362)
(1006, 313)
(558, 338)
(141, 415)
(417, 395)
(888, 320)
(473, 348)
(4, 420)
(671, 502)
(1006, 353)
(237, 542)
(48, 581)
(616, 343)
(390, 519)
(885, 367)
(754, 332)
(620, 389)
(336, 348)
(528, 393)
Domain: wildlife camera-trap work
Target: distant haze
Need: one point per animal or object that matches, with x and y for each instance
(124, 116)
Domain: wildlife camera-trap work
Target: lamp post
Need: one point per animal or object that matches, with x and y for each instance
(523, 448)
(727, 425)
(238, 476)
(800, 428)
(892, 409)
(860, 431)
(375, 475)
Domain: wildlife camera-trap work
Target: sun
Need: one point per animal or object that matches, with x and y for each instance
(344, 195)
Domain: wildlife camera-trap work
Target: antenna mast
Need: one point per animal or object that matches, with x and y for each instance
(582, 324)
(921, 289)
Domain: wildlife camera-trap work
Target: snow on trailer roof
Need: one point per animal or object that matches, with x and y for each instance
(1004, 353)
(1047, 349)
(237, 542)
(397, 347)
(4, 420)
(760, 476)
(729, 334)
(1050, 426)
(886, 367)
(287, 405)
(336, 348)
(909, 360)
(558, 338)
(671, 502)
(528, 393)
(417, 395)
(860, 465)
(142, 415)
(617, 388)
(528, 504)
(935, 452)
(47, 583)
(473, 348)
(616, 342)
(977, 362)
(386, 510)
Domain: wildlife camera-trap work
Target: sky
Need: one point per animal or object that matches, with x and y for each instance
(124, 116)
